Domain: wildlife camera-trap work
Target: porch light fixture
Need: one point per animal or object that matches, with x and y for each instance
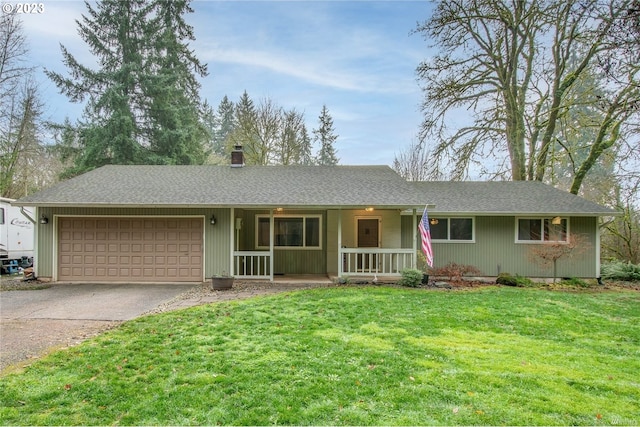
(556, 220)
(369, 209)
(44, 219)
(433, 221)
(212, 220)
(279, 209)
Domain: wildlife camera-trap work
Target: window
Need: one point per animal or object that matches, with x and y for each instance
(1, 215)
(542, 229)
(451, 229)
(290, 232)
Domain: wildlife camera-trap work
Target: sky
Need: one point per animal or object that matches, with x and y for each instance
(356, 57)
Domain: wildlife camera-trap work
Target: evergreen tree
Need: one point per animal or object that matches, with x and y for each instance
(210, 122)
(176, 133)
(306, 157)
(142, 103)
(244, 133)
(289, 146)
(110, 131)
(226, 124)
(325, 136)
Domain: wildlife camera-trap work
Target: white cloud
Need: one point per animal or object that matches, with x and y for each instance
(311, 67)
(57, 22)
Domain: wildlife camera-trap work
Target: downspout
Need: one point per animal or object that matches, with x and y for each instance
(233, 242)
(340, 255)
(414, 226)
(271, 244)
(599, 227)
(598, 249)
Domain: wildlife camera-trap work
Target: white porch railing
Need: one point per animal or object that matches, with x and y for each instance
(252, 265)
(355, 261)
(378, 261)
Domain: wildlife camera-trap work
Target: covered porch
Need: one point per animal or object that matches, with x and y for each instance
(284, 244)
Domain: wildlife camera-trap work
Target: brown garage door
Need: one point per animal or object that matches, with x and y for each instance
(130, 249)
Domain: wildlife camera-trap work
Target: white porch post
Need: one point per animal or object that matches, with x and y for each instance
(414, 221)
(340, 262)
(232, 226)
(271, 232)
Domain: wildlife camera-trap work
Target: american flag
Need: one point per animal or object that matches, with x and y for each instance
(425, 235)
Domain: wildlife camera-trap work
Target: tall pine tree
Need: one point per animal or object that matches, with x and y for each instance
(176, 133)
(226, 124)
(245, 130)
(326, 137)
(142, 103)
(109, 131)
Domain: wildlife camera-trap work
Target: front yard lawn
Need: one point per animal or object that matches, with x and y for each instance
(351, 356)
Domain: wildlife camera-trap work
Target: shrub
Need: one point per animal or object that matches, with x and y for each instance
(411, 278)
(454, 272)
(618, 270)
(574, 281)
(509, 280)
(343, 280)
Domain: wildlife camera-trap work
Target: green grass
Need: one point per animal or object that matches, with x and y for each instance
(351, 356)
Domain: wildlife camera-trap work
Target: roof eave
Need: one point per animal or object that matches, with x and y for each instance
(520, 214)
(217, 206)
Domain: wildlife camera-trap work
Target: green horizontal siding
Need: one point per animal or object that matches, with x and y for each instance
(495, 250)
(286, 261)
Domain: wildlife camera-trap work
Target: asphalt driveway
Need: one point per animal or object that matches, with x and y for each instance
(87, 301)
(33, 322)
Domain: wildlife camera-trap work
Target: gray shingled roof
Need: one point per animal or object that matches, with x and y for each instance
(304, 186)
(505, 198)
(249, 186)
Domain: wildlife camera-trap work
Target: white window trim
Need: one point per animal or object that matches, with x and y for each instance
(542, 219)
(448, 239)
(304, 231)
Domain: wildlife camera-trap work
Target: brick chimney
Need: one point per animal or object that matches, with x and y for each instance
(237, 157)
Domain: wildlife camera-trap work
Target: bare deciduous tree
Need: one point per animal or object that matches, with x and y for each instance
(510, 67)
(20, 113)
(413, 164)
(549, 253)
(621, 239)
(269, 134)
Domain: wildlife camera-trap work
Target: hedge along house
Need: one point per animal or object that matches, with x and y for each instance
(190, 223)
(497, 227)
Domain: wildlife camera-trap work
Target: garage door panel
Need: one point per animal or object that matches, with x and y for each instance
(130, 249)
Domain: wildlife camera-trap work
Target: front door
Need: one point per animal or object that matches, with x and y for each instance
(368, 232)
(368, 237)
